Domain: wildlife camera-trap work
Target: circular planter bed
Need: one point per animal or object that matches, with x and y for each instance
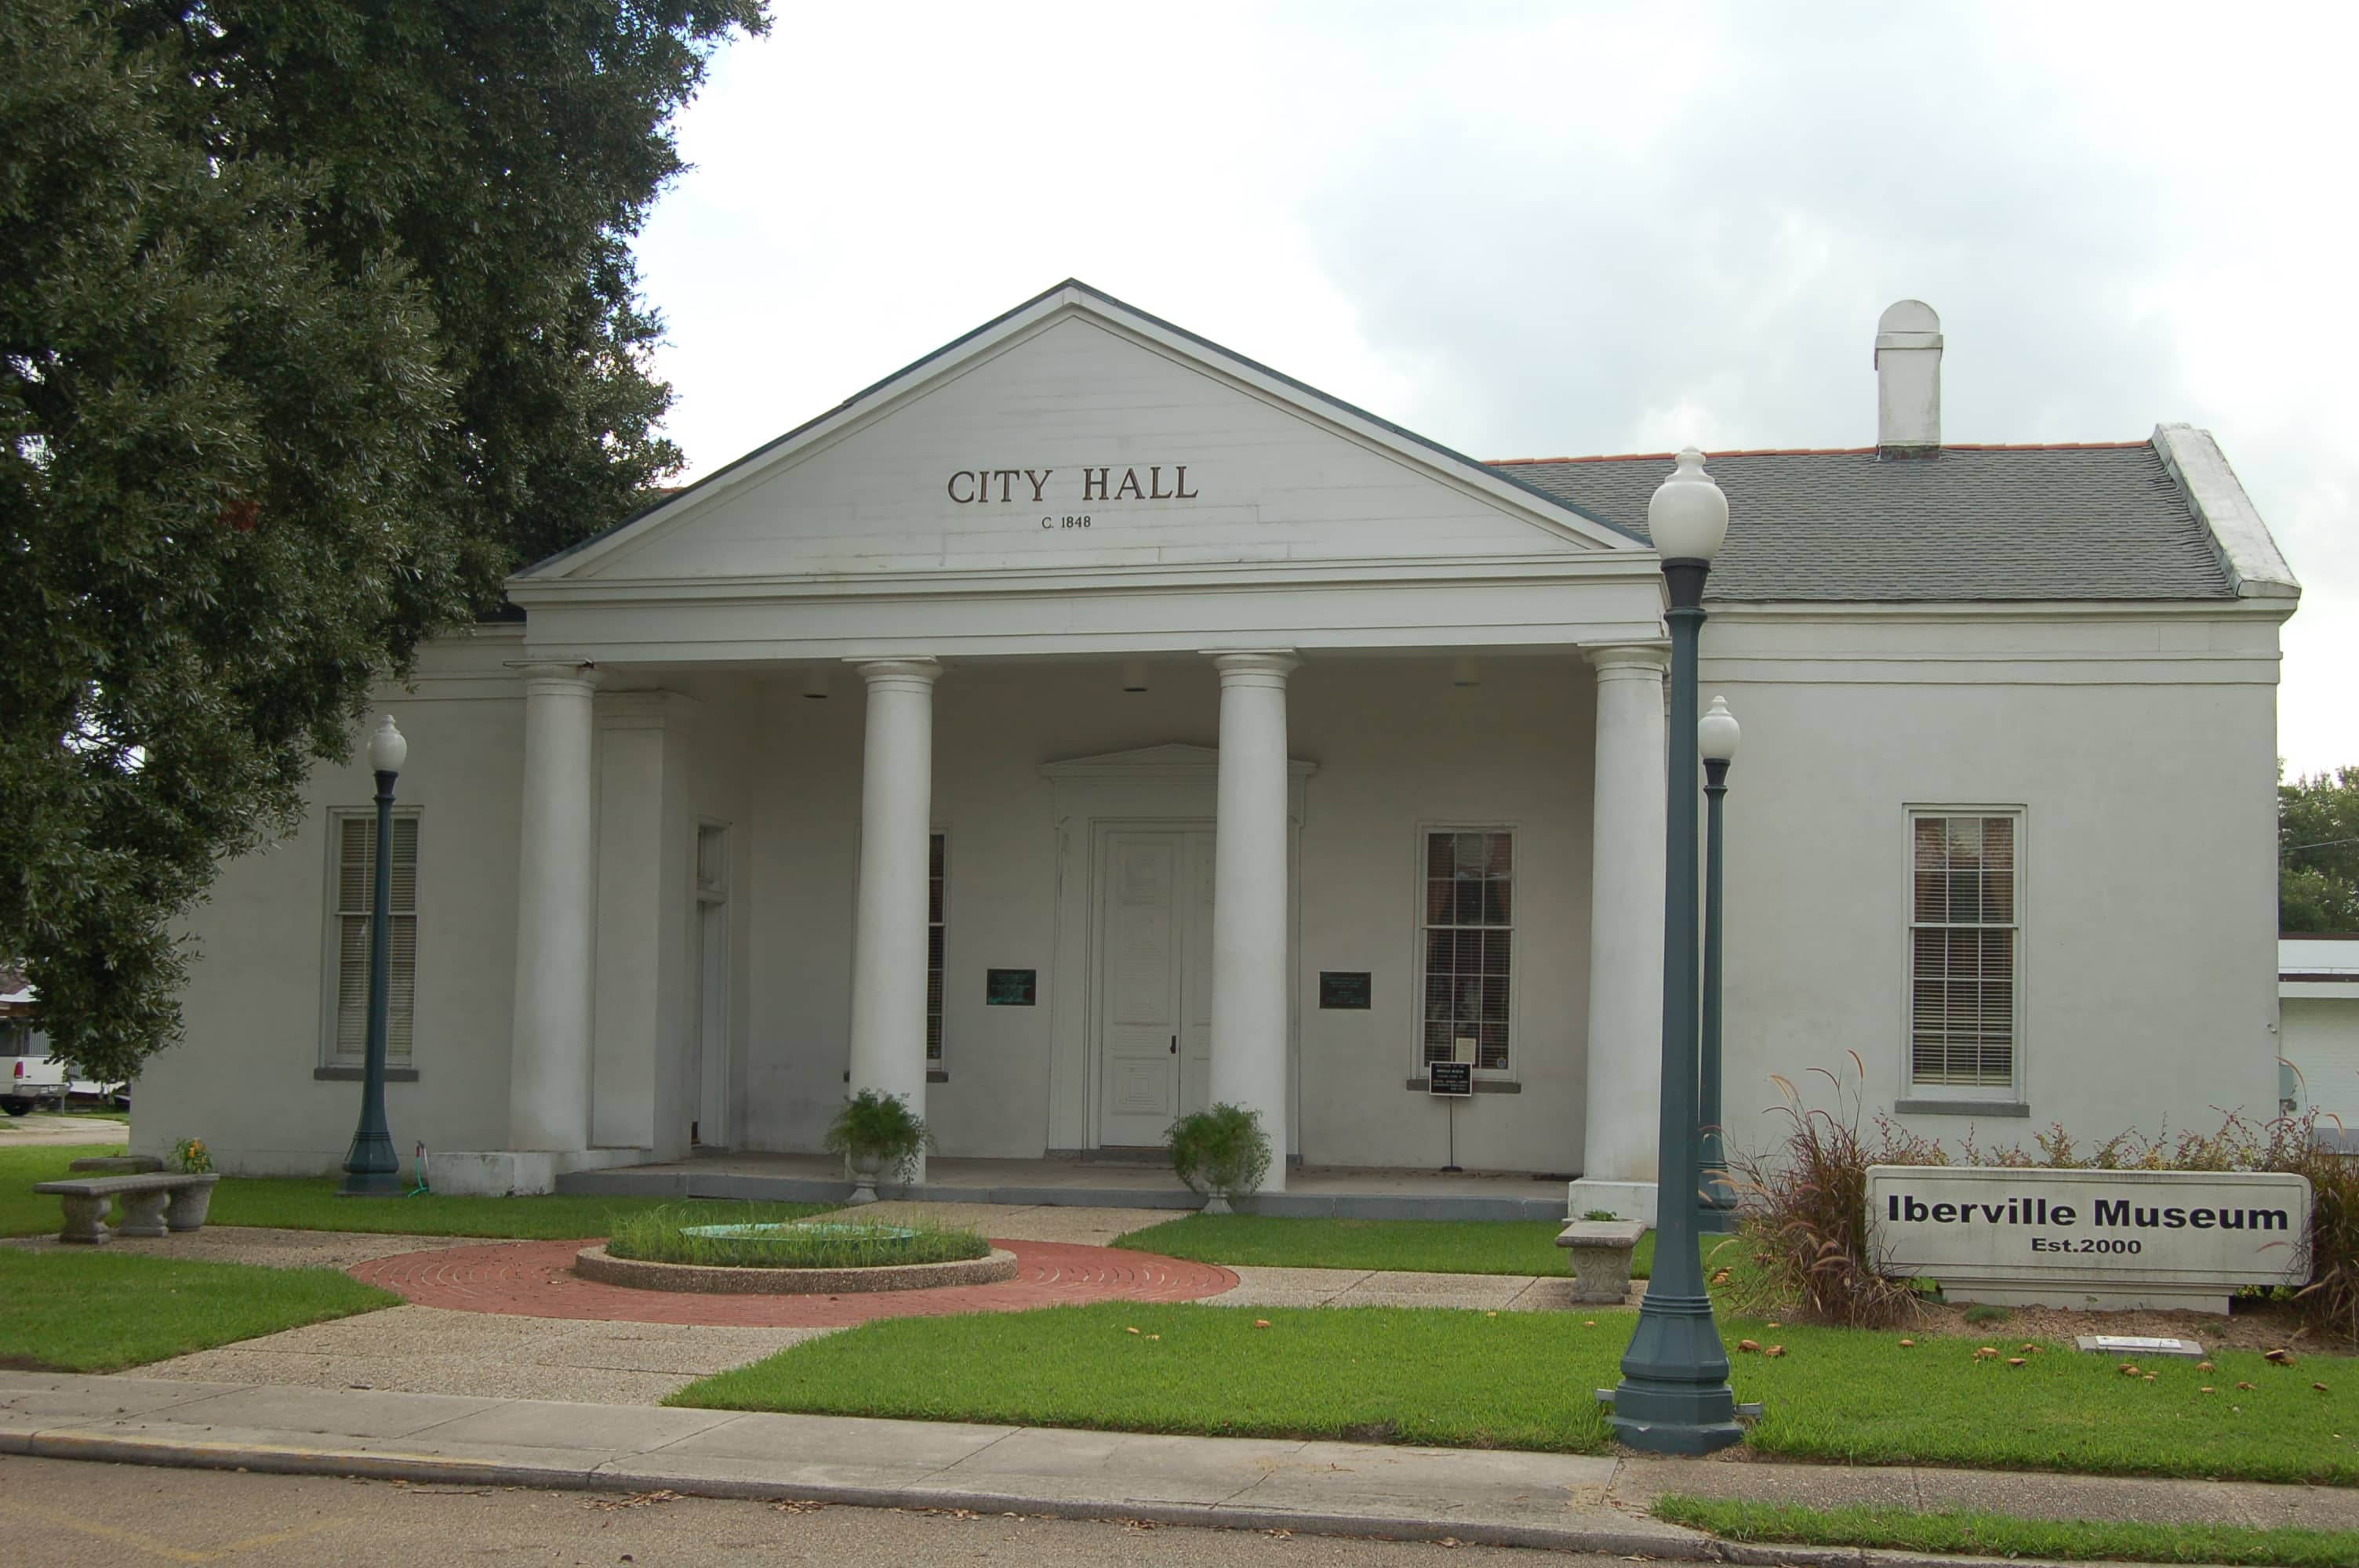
(592, 1263)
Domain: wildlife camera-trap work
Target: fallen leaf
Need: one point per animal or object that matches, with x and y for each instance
(1907, 1345)
(2205, 1367)
(1489, 1315)
(2244, 1385)
(1777, 1326)
(2029, 1349)
(2015, 1360)
(2278, 1357)
(1720, 1277)
(2149, 1377)
(1589, 1322)
(2205, 1389)
(1129, 1330)
(1751, 1344)
(1261, 1323)
(2319, 1387)
(1775, 1350)
(1154, 1337)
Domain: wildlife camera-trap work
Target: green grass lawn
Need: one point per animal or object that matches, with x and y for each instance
(1423, 1245)
(1524, 1381)
(1431, 1246)
(309, 1203)
(24, 1212)
(2001, 1535)
(100, 1311)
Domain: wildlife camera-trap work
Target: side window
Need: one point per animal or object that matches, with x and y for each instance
(934, 860)
(1468, 970)
(1964, 930)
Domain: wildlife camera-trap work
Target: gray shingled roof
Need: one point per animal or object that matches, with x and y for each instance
(1976, 523)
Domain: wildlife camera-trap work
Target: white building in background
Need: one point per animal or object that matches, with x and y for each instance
(1084, 723)
(2318, 1009)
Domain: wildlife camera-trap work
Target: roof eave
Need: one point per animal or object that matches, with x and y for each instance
(2256, 567)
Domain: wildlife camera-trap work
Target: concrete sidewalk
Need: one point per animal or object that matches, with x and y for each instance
(1567, 1502)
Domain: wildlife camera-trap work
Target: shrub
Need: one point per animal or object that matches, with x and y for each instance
(663, 1236)
(191, 1156)
(873, 1124)
(2331, 1300)
(1221, 1153)
(1806, 1216)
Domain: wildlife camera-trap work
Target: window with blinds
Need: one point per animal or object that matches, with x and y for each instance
(1469, 945)
(934, 847)
(354, 895)
(1963, 927)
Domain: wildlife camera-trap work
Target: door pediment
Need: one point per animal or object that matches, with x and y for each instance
(1076, 435)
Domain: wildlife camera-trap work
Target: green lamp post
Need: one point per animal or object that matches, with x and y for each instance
(1674, 1396)
(372, 1170)
(1716, 735)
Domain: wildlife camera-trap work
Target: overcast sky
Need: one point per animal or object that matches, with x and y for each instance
(1534, 230)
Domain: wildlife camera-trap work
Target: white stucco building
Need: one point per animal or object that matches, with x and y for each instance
(1085, 722)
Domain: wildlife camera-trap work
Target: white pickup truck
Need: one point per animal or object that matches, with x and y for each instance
(28, 1083)
(30, 1077)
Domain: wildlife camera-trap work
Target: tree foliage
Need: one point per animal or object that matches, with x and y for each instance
(317, 317)
(2318, 852)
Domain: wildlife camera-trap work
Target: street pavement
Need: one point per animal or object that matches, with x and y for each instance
(1565, 1502)
(62, 1514)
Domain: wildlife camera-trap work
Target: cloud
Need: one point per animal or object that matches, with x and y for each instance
(1533, 229)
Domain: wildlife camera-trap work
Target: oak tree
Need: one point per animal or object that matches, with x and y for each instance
(317, 317)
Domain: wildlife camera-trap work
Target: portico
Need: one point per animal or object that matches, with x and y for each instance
(1274, 539)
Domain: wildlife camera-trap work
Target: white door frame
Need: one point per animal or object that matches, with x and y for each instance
(1173, 786)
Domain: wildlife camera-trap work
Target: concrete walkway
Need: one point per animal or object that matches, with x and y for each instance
(49, 1127)
(1564, 1501)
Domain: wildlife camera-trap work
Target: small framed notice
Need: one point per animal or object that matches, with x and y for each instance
(1011, 988)
(1453, 1080)
(1343, 989)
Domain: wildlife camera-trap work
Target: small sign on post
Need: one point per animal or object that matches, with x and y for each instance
(1453, 1080)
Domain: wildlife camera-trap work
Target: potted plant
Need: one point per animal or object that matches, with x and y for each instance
(1221, 1153)
(188, 1205)
(875, 1132)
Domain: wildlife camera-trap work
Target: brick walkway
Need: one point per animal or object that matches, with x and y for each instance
(535, 1279)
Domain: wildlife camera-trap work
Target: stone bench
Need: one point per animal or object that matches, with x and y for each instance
(1600, 1251)
(118, 1165)
(153, 1203)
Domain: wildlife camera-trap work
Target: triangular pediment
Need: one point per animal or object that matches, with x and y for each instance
(1077, 434)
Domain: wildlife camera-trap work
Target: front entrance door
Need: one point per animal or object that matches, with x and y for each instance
(1155, 981)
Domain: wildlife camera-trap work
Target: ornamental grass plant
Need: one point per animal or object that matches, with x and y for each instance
(670, 1235)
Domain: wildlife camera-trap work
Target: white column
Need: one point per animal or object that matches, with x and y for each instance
(1249, 897)
(557, 907)
(1625, 937)
(889, 954)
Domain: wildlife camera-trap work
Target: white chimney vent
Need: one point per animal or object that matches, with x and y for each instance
(1908, 381)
